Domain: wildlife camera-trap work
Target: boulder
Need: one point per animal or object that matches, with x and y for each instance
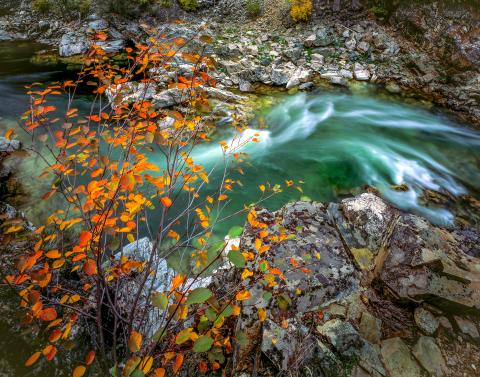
(73, 43)
(426, 321)
(429, 355)
(398, 360)
(9, 146)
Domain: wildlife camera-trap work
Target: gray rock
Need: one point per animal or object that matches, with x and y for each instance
(73, 43)
(293, 54)
(279, 77)
(342, 336)
(426, 321)
(324, 37)
(428, 354)
(244, 86)
(299, 76)
(467, 327)
(98, 25)
(361, 74)
(370, 328)
(398, 360)
(363, 46)
(351, 44)
(8, 146)
(112, 46)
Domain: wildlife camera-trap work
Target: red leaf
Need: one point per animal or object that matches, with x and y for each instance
(89, 267)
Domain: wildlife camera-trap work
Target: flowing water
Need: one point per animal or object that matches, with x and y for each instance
(339, 143)
(336, 143)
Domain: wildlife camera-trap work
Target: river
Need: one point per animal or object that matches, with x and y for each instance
(336, 143)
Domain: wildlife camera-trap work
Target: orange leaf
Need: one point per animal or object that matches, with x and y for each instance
(89, 267)
(50, 355)
(79, 371)
(32, 359)
(159, 372)
(54, 336)
(53, 254)
(178, 363)
(48, 314)
(243, 295)
(85, 237)
(166, 201)
(135, 341)
(90, 357)
(9, 133)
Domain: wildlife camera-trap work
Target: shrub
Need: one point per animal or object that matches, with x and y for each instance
(42, 6)
(301, 10)
(189, 5)
(253, 8)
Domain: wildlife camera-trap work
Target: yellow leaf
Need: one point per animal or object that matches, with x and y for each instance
(262, 314)
(13, 229)
(147, 363)
(135, 341)
(246, 273)
(262, 188)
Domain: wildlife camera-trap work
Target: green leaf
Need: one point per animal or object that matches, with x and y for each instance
(211, 314)
(235, 232)
(160, 300)
(183, 336)
(216, 354)
(283, 301)
(203, 344)
(206, 39)
(198, 296)
(241, 338)
(236, 258)
(137, 373)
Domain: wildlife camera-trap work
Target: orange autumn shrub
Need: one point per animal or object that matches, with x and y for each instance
(75, 276)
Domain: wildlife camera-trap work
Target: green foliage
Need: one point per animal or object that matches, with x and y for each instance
(63, 8)
(165, 3)
(253, 8)
(198, 296)
(42, 6)
(189, 5)
(203, 344)
(236, 258)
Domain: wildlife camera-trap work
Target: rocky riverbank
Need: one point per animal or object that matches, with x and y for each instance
(401, 55)
(381, 293)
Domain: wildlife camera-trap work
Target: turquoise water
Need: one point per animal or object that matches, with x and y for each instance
(338, 144)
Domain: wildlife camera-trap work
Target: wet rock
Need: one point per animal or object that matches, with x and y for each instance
(429, 355)
(73, 43)
(398, 360)
(426, 321)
